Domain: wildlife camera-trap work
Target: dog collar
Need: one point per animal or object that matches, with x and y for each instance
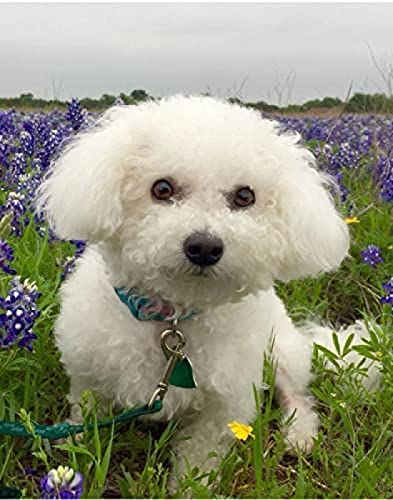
(153, 308)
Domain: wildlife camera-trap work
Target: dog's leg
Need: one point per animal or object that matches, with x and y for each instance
(208, 432)
(298, 408)
(75, 418)
(293, 375)
(77, 387)
(206, 437)
(194, 443)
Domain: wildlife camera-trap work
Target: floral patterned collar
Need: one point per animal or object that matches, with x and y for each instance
(153, 308)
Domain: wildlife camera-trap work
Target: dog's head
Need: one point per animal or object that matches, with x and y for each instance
(197, 200)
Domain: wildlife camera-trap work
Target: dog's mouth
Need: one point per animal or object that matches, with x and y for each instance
(198, 286)
(185, 271)
(200, 272)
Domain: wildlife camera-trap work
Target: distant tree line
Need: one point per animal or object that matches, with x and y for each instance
(28, 101)
(358, 103)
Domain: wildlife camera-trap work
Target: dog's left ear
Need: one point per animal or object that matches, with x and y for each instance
(316, 238)
(81, 194)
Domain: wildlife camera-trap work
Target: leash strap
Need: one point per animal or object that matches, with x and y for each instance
(64, 429)
(6, 492)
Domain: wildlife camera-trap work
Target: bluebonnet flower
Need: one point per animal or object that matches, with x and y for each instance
(36, 166)
(26, 143)
(62, 482)
(69, 264)
(344, 157)
(80, 246)
(17, 167)
(30, 471)
(388, 297)
(371, 255)
(7, 121)
(75, 114)
(384, 134)
(20, 313)
(50, 146)
(16, 205)
(4, 152)
(385, 177)
(6, 256)
(387, 188)
(388, 286)
(344, 191)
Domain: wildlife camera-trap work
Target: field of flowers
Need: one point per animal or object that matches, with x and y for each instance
(353, 453)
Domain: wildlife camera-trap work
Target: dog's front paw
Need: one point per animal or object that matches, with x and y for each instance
(299, 440)
(301, 433)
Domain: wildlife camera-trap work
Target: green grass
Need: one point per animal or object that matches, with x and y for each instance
(352, 457)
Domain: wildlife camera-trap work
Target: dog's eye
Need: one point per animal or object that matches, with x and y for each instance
(244, 197)
(162, 190)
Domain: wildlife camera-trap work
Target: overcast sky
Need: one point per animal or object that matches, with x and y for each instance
(90, 49)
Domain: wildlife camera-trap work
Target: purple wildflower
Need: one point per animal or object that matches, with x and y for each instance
(17, 168)
(50, 146)
(80, 246)
(16, 205)
(388, 298)
(6, 256)
(75, 114)
(388, 286)
(371, 255)
(387, 187)
(20, 313)
(30, 471)
(62, 482)
(384, 174)
(69, 265)
(26, 143)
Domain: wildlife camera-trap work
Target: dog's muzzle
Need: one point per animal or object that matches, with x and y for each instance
(203, 249)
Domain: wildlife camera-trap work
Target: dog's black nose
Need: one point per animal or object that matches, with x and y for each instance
(203, 249)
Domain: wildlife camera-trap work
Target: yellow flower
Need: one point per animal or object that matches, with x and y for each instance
(241, 431)
(352, 220)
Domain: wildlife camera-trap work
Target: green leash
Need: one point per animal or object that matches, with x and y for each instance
(178, 372)
(6, 492)
(64, 429)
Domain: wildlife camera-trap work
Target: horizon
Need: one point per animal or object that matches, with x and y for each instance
(244, 101)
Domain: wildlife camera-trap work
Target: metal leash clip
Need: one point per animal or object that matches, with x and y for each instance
(173, 354)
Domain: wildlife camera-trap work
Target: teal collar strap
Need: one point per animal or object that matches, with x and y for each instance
(153, 308)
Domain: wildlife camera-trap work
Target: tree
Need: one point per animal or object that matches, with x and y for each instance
(26, 97)
(107, 99)
(139, 95)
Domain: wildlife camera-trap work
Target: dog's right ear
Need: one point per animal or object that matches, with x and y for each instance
(81, 196)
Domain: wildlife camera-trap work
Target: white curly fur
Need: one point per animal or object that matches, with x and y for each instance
(99, 190)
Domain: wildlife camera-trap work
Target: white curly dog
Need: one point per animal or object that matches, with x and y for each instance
(194, 207)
